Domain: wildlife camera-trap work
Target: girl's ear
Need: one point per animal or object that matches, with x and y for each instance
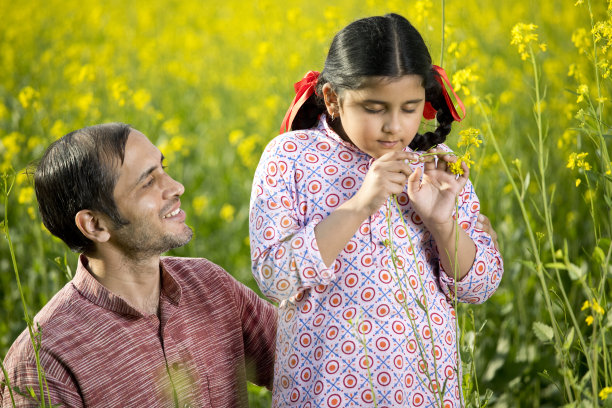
(331, 100)
(93, 225)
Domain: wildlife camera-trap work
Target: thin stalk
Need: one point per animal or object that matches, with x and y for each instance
(425, 302)
(8, 383)
(442, 41)
(41, 376)
(605, 157)
(365, 350)
(539, 266)
(545, 203)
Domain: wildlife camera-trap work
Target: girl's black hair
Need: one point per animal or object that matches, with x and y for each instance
(381, 46)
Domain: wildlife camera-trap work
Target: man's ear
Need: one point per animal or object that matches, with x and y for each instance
(93, 225)
(332, 102)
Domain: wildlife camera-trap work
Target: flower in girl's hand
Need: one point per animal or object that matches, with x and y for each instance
(469, 139)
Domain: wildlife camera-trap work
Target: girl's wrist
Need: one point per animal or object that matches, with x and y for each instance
(357, 208)
(440, 229)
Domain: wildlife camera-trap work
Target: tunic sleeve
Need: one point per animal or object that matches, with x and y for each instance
(485, 275)
(258, 320)
(284, 254)
(23, 376)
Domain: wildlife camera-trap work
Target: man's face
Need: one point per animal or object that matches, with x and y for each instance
(148, 198)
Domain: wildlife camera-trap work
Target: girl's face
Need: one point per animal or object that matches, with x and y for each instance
(383, 116)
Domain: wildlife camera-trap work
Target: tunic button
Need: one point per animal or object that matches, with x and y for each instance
(175, 366)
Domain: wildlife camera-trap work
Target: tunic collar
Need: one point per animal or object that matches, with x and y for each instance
(99, 295)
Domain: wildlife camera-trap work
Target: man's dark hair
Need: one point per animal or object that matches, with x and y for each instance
(77, 172)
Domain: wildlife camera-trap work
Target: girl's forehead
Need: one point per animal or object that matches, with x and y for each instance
(387, 86)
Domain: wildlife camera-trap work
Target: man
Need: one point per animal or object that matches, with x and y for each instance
(132, 328)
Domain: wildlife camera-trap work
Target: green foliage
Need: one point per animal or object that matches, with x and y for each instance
(209, 83)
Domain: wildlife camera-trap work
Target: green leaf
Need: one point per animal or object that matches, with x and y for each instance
(32, 393)
(543, 331)
(418, 301)
(569, 339)
(575, 272)
(555, 265)
(598, 255)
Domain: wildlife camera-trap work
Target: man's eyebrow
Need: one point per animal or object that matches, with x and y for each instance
(150, 170)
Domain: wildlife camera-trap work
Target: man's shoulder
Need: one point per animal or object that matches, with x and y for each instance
(59, 307)
(195, 271)
(49, 326)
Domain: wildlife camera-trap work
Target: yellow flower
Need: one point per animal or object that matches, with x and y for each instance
(456, 167)
(171, 126)
(28, 96)
(235, 136)
(578, 181)
(585, 305)
(582, 91)
(461, 79)
(227, 212)
(26, 195)
(58, 129)
(3, 111)
(141, 98)
(589, 320)
(597, 308)
(119, 90)
(578, 160)
(522, 36)
(469, 137)
(199, 203)
(603, 394)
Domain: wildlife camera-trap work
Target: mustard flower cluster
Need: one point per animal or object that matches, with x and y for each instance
(469, 139)
(522, 36)
(595, 308)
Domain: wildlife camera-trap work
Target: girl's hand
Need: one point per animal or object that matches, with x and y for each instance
(483, 223)
(388, 175)
(433, 196)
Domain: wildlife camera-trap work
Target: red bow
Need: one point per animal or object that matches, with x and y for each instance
(429, 112)
(303, 90)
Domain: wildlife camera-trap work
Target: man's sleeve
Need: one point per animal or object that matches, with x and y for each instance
(20, 366)
(259, 320)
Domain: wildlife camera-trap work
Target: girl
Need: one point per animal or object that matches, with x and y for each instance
(356, 326)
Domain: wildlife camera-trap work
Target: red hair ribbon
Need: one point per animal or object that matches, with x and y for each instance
(303, 90)
(429, 112)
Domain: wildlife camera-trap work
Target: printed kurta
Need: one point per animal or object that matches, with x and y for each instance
(362, 312)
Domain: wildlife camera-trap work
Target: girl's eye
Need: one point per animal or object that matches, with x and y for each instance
(149, 183)
(372, 110)
(409, 110)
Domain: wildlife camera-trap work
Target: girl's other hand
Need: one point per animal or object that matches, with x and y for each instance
(433, 195)
(483, 223)
(387, 175)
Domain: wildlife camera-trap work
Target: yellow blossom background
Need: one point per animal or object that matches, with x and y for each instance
(209, 83)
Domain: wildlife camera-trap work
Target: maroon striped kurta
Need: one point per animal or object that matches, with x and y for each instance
(213, 333)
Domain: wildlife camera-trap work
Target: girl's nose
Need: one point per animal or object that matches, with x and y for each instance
(391, 124)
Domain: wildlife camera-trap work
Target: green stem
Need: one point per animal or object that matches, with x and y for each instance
(425, 302)
(8, 383)
(41, 375)
(363, 342)
(539, 266)
(442, 45)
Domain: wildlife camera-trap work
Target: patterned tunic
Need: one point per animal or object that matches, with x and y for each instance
(335, 323)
